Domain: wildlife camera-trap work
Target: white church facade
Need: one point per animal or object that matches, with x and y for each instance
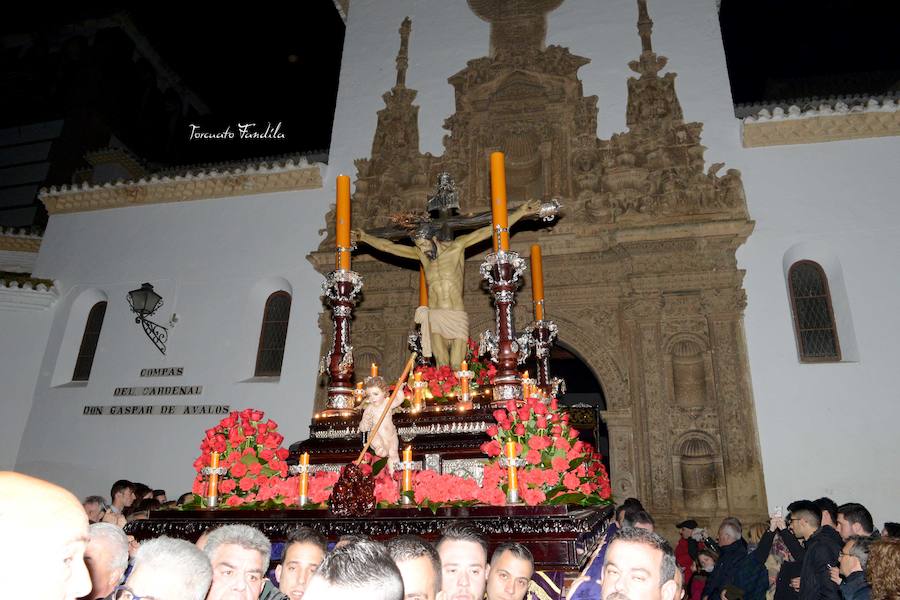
(217, 242)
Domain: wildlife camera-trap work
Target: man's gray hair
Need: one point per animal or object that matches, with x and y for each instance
(170, 557)
(95, 500)
(732, 527)
(411, 547)
(860, 548)
(117, 541)
(635, 535)
(364, 566)
(248, 538)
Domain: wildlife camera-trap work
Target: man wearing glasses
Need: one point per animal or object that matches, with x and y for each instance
(853, 559)
(167, 569)
(823, 544)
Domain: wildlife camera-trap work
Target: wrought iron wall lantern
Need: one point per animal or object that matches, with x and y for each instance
(144, 302)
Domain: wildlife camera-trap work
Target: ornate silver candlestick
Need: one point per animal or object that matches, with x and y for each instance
(341, 288)
(502, 270)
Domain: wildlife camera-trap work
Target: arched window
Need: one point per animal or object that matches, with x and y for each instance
(89, 340)
(813, 315)
(273, 335)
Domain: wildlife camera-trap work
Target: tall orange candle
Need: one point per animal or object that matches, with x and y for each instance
(342, 224)
(418, 390)
(213, 488)
(423, 288)
(537, 282)
(464, 381)
(304, 475)
(374, 370)
(511, 469)
(406, 483)
(499, 216)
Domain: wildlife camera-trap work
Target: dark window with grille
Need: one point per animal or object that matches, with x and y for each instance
(88, 348)
(273, 334)
(813, 316)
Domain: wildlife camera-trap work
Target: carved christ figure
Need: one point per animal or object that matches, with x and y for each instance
(445, 324)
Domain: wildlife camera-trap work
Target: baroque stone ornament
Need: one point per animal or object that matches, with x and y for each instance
(642, 261)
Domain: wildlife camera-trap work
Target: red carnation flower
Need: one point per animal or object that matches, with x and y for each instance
(511, 406)
(227, 486)
(234, 501)
(533, 457)
(559, 464)
(491, 448)
(281, 453)
(533, 496)
(267, 454)
(520, 429)
(491, 430)
(246, 484)
(571, 481)
(238, 470)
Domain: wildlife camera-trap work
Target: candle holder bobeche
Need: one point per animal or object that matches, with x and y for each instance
(512, 490)
(212, 498)
(301, 470)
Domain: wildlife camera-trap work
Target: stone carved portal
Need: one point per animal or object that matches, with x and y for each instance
(641, 275)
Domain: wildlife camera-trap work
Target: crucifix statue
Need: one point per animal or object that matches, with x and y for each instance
(445, 325)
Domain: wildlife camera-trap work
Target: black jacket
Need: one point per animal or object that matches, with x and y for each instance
(737, 568)
(789, 569)
(822, 550)
(855, 587)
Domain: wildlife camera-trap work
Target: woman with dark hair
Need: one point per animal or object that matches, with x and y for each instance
(883, 570)
(891, 530)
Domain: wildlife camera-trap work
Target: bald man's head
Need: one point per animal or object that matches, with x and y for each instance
(45, 530)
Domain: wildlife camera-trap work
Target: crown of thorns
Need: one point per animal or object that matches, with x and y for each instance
(417, 225)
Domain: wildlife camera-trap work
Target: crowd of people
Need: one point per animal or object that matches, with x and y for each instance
(66, 549)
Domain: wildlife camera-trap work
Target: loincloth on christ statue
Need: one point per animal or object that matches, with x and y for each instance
(448, 323)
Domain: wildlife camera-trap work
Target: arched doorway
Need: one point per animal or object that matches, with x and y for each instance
(584, 396)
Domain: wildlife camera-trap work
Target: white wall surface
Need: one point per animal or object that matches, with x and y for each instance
(212, 261)
(23, 340)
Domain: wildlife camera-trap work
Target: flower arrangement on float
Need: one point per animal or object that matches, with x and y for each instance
(250, 460)
(443, 385)
(555, 467)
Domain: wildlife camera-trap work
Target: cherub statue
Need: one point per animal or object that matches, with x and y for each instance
(384, 442)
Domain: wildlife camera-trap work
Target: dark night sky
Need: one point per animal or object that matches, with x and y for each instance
(282, 64)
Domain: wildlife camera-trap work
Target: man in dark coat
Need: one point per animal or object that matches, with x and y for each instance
(854, 557)
(736, 573)
(823, 545)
